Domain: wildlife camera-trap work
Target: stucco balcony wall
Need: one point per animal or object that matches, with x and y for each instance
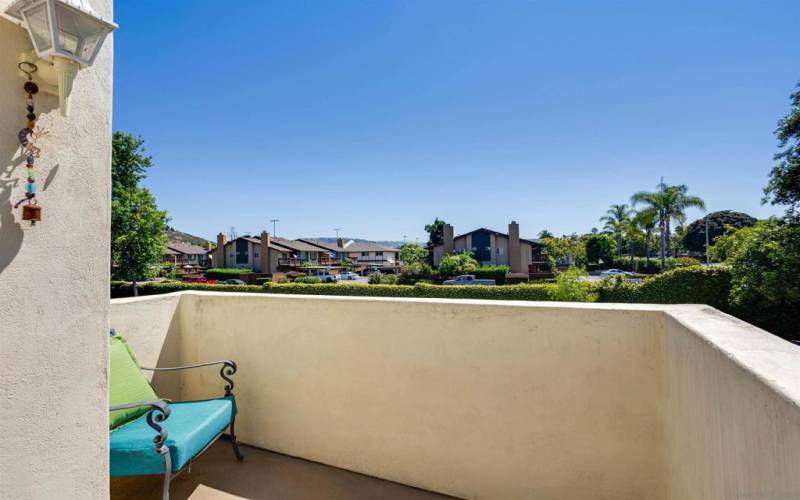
(483, 399)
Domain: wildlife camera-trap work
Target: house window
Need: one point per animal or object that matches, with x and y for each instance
(499, 251)
(378, 254)
(255, 254)
(365, 254)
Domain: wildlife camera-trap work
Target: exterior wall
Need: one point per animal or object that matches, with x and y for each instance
(54, 318)
(155, 341)
(438, 252)
(526, 255)
(502, 259)
(731, 410)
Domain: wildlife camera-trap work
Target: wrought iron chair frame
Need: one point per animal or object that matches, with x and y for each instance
(159, 412)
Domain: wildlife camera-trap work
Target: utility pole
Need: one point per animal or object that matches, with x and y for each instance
(274, 222)
(663, 224)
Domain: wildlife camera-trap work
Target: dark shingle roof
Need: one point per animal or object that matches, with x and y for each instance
(186, 248)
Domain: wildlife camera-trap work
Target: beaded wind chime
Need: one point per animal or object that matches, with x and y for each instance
(27, 136)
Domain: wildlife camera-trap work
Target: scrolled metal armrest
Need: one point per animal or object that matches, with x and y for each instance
(227, 370)
(158, 412)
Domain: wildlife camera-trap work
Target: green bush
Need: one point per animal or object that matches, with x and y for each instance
(682, 262)
(224, 273)
(688, 285)
(374, 278)
(261, 281)
(454, 265)
(496, 273)
(309, 280)
(389, 279)
(570, 288)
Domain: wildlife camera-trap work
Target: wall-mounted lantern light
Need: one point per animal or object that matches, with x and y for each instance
(66, 36)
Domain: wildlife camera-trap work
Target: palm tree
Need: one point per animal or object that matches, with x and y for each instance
(615, 220)
(632, 229)
(669, 203)
(646, 219)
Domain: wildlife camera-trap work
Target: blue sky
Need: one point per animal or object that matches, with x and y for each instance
(377, 116)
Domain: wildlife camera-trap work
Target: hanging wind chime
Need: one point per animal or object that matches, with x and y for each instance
(30, 210)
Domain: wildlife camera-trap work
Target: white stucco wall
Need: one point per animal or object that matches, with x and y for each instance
(54, 285)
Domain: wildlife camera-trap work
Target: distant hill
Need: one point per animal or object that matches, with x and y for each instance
(175, 235)
(386, 243)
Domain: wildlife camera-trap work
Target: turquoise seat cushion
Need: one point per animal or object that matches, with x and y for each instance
(191, 426)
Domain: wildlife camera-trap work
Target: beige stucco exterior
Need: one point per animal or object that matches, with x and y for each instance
(497, 399)
(54, 284)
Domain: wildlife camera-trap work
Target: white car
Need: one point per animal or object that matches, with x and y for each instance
(615, 272)
(348, 276)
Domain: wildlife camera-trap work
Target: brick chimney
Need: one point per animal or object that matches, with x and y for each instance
(219, 254)
(448, 239)
(339, 242)
(514, 252)
(264, 255)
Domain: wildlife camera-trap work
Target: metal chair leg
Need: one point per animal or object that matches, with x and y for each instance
(167, 472)
(234, 442)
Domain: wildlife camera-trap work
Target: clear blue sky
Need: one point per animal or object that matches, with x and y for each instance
(377, 116)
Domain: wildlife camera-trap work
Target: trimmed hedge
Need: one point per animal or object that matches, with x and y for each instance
(125, 289)
(688, 285)
(512, 292)
(691, 285)
(224, 273)
(496, 273)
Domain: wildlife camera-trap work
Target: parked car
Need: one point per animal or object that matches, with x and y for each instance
(348, 276)
(468, 279)
(615, 272)
(325, 276)
(232, 281)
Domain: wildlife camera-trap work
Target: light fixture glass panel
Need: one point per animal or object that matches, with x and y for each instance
(78, 34)
(39, 26)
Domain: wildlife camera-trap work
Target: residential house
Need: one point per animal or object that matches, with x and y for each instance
(363, 254)
(183, 254)
(281, 254)
(489, 247)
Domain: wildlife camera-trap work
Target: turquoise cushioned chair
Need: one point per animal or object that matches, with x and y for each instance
(183, 430)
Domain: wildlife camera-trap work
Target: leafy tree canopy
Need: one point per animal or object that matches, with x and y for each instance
(138, 227)
(435, 232)
(599, 247)
(784, 180)
(694, 239)
(765, 274)
(454, 265)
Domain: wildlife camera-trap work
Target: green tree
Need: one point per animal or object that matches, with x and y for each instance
(568, 249)
(544, 233)
(138, 227)
(455, 265)
(570, 287)
(414, 259)
(695, 237)
(599, 247)
(435, 232)
(670, 204)
(765, 274)
(616, 220)
(784, 179)
(647, 219)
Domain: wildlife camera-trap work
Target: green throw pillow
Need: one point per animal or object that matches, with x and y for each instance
(127, 385)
